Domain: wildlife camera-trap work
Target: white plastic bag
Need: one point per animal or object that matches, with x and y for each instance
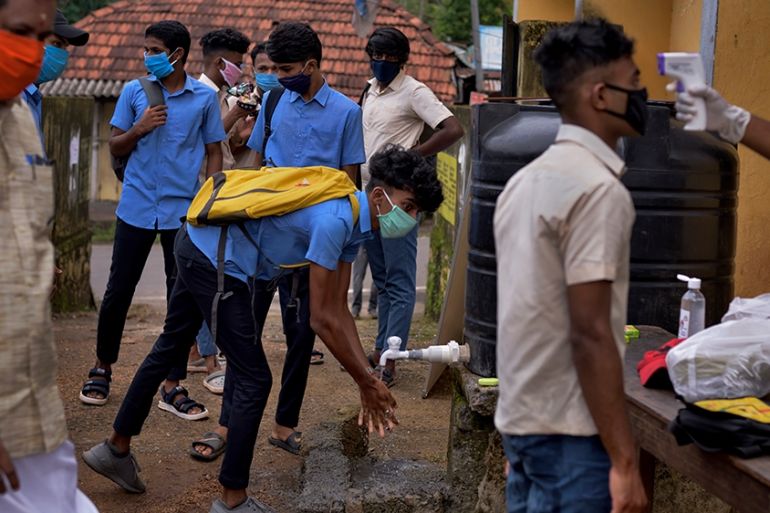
(726, 361)
(748, 308)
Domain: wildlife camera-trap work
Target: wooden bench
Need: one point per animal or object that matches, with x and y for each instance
(742, 483)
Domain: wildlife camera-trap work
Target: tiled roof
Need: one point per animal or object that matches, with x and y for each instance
(113, 54)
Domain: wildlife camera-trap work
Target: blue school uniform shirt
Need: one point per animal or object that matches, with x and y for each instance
(161, 175)
(326, 131)
(323, 234)
(34, 99)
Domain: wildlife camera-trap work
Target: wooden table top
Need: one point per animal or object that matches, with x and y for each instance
(661, 405)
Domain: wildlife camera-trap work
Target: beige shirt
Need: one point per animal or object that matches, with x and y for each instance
(563, 220)
(31, 412)
(247, 158)
(398, 113)
(224, 106)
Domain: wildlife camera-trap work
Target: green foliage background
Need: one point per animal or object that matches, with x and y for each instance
(76, 10)
(450, 19)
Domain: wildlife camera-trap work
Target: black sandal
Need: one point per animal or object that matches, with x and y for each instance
(213, 441)
(100, 386)
(182, 405)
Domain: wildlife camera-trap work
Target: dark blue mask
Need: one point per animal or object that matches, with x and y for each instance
(385, 71)
(298, 83)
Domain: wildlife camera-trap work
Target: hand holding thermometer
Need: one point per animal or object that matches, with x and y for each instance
(687, 69)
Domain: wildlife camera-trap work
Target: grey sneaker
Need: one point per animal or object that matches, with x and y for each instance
(251, 505)
(123, 471)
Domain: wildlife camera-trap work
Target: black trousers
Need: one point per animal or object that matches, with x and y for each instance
(294, 294)
(241, 317)
(130, 250)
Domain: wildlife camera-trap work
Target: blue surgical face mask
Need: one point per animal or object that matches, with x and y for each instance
(267, 81)
(54, 61)
(298, 83)
(385, 71)
(396, 223)
(159, 64)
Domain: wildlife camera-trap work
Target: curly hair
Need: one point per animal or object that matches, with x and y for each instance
(394, 166)
(173, 35)
(294, 42)
(390, 41)
(567, 52)
(224, 39)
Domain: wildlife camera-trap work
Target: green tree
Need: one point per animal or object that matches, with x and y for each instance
(76, 10)
(451, 19)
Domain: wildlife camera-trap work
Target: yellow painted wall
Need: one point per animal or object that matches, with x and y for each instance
(107, 186)
(551, 10)
(685, 26)
(656, 26)
(742, 75)
(649, 24)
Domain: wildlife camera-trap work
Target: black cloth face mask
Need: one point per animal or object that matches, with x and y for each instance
(636, 108)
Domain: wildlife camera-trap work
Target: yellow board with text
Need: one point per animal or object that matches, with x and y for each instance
(446, 167)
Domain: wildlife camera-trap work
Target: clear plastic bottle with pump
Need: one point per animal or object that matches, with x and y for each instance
(692, 314)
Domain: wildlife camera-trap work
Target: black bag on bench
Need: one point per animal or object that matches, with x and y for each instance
(720, 431)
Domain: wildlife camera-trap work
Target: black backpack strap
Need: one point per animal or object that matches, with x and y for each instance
(221, 294)
(153, 91)
(272, 101)
(363, 94)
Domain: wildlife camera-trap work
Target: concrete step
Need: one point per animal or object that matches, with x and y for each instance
(339, 476)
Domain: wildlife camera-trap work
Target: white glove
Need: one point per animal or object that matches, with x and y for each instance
(728, 120)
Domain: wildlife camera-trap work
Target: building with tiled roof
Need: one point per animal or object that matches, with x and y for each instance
(113, 54)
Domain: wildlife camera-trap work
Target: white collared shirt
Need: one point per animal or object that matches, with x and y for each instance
(398, 114)
(562, 220)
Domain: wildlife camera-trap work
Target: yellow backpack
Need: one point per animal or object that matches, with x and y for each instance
(238, 195)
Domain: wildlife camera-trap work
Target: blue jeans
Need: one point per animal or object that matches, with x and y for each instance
(394, 271)
(557, 474)
(205, 340)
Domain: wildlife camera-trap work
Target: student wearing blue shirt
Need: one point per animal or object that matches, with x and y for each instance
(326, 237)
(312, 125)
(54, 62)
(165, 146)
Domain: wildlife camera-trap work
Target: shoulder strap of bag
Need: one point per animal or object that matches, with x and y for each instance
(153, 91)
(272, 102)
(363, 94)
(154, 94)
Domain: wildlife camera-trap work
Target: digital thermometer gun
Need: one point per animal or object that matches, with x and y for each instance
(687, 69)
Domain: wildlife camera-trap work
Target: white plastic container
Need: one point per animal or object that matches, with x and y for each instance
(692, 313)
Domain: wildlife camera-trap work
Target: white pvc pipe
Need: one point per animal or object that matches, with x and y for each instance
(578, 9)
(515, 13)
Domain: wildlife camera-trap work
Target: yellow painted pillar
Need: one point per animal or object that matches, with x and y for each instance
(551, 10)
(742, 75)
(649, 24)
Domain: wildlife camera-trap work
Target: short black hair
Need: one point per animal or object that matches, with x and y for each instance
(258, 49)
(394, 166)
(173, 35)
(293, 42)
(224, 39)
(390, 41)
(568, 51)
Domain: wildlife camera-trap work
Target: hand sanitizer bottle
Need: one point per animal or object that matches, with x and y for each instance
(692, 314)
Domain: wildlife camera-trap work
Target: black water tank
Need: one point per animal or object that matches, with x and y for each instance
(684, 186)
